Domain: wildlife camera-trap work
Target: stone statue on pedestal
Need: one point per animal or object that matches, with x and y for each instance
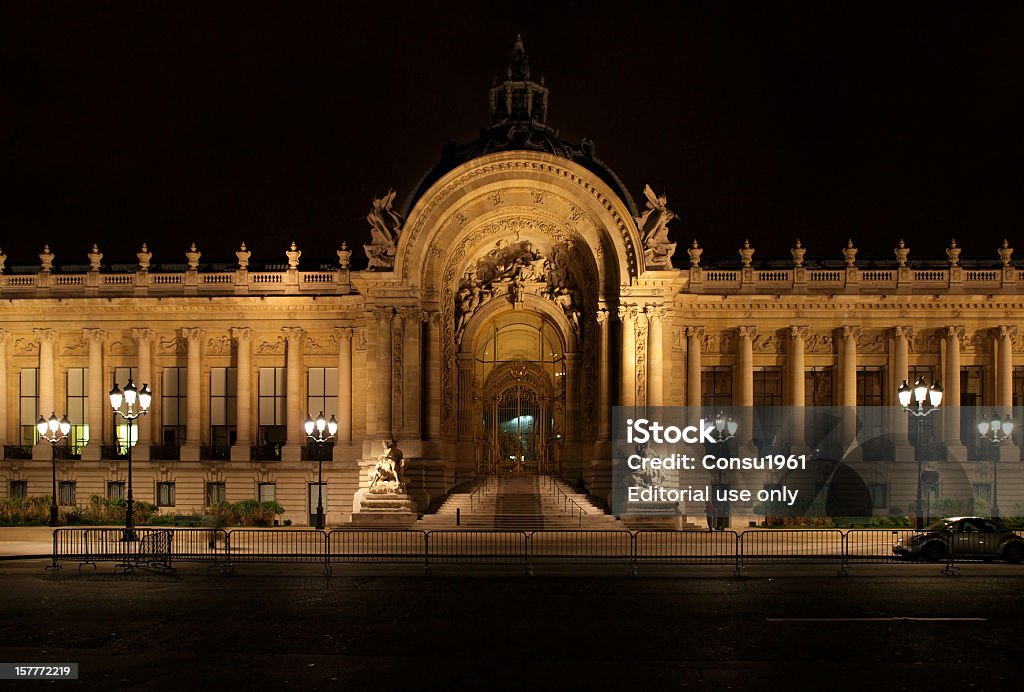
(388, 475)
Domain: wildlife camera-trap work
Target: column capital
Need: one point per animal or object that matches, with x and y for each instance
(903, 331)
(747, 331)
(241, 334)
(5, 336)
(655, 312)
(94, 335)
(144, 333)
(383, 315)
(192, 333)
(627, 312)
(695, 332)
(799, 332)
(412, 314)
(850, 331)
(956, 332)
(1005, 331)
(293, 334)
(602, 315)
(345, 332)
(45, 335)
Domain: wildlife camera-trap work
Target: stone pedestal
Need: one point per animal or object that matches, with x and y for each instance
(386, 510)
(652, 515)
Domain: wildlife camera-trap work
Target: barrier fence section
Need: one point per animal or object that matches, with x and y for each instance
(685, 547)
(477, 548)
(377, 547)
(159, 547)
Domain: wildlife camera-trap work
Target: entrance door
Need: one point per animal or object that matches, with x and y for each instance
(315, 490)
(518, 424)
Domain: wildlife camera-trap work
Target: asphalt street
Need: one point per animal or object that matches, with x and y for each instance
(288, 627)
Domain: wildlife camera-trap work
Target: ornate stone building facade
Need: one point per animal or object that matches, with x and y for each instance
(518, 296)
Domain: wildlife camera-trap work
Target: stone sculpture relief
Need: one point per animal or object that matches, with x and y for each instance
(385, 226)
(388, 475)
(653, 225)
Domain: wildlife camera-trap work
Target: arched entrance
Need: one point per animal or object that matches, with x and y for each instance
(519, 367)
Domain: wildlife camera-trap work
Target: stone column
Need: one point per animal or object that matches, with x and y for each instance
(98, 401)
(412, 377)
(655, 357)
(344, 335)
(46, 338)
(955, 448)
(384, 362)
(295, 414)
(193, 394)
(242, 449)
(572, 362)
(745, 389)
(604, 409)
(4, 395)
(640, 343)
(627, 386)
(694, 341)
(433, 381)
(797, 398)
(144, 342)
(901, 371)
(848, 367)
(1007, 450)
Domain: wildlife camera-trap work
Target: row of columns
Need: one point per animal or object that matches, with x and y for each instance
(242, 336)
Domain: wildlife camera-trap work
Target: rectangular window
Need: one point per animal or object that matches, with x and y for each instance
(818, 387)
(28, 399)
(121, 378)
(716, 386)
(174, 407)
(266, 492)
(879, 495)
(982, 491)
(322, 392)
(972, 394)
(768, 412)
(271, 411)
(223, 407)
(19, 489)
(78, 408)
(869, 386)
(164, 494)
(115, 490)
(66, 493)
(215, 494)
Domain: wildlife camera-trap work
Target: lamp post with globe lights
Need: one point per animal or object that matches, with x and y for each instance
(54, 432)
(129, 398)
(995, 430)
(919, 401)
(315, 431)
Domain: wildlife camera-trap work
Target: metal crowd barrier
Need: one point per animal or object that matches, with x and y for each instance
(161, 547)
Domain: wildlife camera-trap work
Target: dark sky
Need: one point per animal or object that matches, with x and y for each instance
(267, 122)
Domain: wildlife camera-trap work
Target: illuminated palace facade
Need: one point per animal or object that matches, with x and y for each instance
(518, 295)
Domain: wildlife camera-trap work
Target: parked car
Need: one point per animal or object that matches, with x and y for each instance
(967, 538)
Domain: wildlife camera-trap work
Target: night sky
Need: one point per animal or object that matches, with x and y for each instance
(220, 122)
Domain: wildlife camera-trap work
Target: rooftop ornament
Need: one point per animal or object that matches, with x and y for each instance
(798, 251)
(695, 252)
(293, 256)
(953, 253)
(95, 257)
(145, 257)
(850, 254)
(901, 251)
(193, 256)
(746, 253)
(1005, 253)
(344, 255)
(243, 255)
(46, 259)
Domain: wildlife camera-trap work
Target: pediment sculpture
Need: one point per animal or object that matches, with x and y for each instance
(385, 227)
(653, 225)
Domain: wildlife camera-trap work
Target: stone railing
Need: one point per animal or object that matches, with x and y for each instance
(854, 280)
(141, 283)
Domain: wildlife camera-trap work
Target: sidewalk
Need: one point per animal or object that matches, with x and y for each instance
(18, 541)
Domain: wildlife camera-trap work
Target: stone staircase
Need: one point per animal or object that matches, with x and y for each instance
(518, 503)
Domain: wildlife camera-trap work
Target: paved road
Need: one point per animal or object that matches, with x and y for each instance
(278, 628)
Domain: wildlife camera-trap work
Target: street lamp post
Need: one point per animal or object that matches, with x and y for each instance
(919, 401)
(53, 431)
(130, 397)
(995, 431)
(315, 432)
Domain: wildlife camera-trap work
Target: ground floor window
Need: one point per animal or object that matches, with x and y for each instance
(266, 492)
(19, 489)
(115, 490)
(982, 491)
(165, 494)
(879, 495)
(215, 494)
(66, 493)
